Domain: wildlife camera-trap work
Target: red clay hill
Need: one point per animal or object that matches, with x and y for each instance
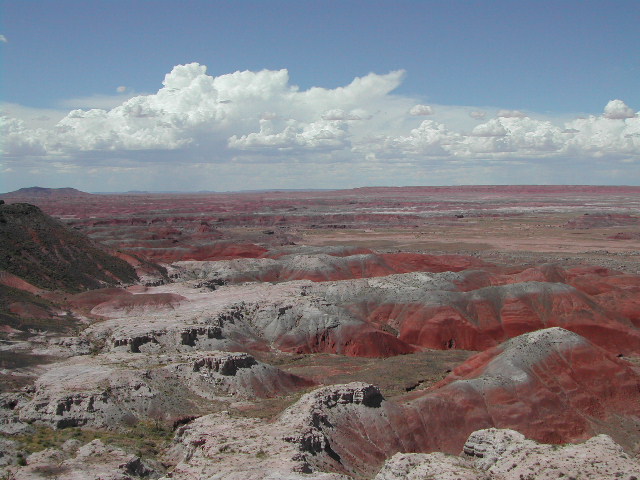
(552, 385)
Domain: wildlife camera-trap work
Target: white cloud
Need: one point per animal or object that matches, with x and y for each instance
(19, 140)
(95, 101)
(492, 128)
(324, 134)
(33, 118)
(339, 114)
(600, 136)
(511, 114)
(520, 135)
(3, 39)
(418, 110)
(617, 109)
(261, 118)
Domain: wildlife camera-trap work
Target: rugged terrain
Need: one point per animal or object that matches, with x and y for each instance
(423, 332)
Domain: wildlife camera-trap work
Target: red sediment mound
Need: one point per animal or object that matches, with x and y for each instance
(625, 302)
(495, 276)
(359, 340)
(130, 259)
(9, 280)
(417, 262)
(227, 250)
(88, 300)
(144, 301)
(29, 310)
(596, 280)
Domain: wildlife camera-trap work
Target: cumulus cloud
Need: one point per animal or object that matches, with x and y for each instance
(198, 119)
(19, 140)
(324, 134)
(600, 136)
(240, 110)
(617, 109)
(493, 128)
(521, 135)
(418, 110)
(513, 136)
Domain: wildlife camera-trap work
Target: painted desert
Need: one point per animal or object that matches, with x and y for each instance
(387, 333)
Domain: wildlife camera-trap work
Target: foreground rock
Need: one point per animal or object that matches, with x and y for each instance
(507, 455)
(221, 446)
(94, 460)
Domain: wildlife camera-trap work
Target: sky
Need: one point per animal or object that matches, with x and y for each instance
(231, 95)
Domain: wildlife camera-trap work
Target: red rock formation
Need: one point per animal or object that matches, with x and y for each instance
(417, 262)
(126, 303)
(485, 317)
(552, 385)
(359, 340)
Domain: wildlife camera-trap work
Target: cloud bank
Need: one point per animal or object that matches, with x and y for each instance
(363, 128)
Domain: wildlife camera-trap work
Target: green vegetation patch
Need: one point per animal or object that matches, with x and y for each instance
(144, 439)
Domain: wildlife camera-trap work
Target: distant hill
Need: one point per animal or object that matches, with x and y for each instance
(41, 192)
(49, 255)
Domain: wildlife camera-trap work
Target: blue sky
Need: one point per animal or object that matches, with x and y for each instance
(514, 66)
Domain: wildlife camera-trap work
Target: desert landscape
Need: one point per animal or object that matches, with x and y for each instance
(307, 240)
(388, 333)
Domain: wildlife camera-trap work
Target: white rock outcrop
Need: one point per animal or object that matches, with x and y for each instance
(498, 454)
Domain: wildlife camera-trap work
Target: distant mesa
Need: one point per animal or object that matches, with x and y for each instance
(42, 192)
